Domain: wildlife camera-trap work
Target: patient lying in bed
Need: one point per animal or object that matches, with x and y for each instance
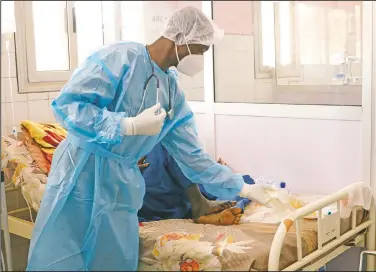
(170, 195)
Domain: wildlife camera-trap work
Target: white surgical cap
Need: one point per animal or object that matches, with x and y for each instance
(190, 25)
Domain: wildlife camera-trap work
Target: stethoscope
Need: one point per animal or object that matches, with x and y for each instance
(170, 112)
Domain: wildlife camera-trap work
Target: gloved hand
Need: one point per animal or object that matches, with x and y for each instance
(148, 122)
(257, 192)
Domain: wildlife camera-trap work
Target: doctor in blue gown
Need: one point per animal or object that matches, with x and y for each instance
(114, 108)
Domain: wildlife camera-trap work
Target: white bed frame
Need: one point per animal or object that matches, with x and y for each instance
(330, 242)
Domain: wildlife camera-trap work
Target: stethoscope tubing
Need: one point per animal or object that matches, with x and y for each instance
(153, 75)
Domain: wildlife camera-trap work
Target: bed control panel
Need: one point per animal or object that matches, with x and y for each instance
(330, 224)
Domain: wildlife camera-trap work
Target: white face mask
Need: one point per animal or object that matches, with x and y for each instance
(190, 65)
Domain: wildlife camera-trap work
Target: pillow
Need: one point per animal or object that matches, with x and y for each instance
(23, 171)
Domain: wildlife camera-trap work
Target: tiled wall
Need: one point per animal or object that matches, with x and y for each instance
(234, 72)
(32, 106)
(235, 17)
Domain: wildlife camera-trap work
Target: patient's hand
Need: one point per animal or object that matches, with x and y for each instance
(142, 164)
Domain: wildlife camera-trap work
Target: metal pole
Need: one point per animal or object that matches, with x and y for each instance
(4, 215)
(362, 258)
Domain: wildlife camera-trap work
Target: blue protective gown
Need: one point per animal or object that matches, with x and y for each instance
(88, 215)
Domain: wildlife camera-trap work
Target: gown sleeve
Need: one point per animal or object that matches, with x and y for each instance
(183, 145)
(82, 104)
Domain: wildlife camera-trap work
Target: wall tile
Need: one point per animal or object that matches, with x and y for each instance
(4, 119)
(5, 65)
(38, 110)
(4, 37)
(37, 96)
(234, 77)
(235, 17)
(21, 112)
(51, 117)
(53, 95)
(3, 91)
(6, 95)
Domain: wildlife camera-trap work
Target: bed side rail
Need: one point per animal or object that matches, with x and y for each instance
(328, 229)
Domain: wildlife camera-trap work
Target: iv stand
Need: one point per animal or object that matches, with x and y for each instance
(4, 223)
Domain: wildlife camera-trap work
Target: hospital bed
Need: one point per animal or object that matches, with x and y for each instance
(297, 243)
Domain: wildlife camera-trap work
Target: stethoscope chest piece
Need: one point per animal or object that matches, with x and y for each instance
(170, 114)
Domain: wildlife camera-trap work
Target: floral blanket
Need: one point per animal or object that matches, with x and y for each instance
(181, 245)
(41, 140)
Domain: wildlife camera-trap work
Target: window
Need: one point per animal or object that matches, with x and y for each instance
(332, 45)
(54, 37)
(297, 52)
(275, 40)
(89, 33)
(47, 41)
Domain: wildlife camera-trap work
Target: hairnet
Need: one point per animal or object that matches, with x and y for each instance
(190, 25)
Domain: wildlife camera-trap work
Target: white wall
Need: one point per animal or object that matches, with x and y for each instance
(310, 155)
(33, 106)
(319, 156)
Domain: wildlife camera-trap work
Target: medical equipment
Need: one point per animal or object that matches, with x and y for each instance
(195, 26)
(191, 64)
(170, 112)
(14, 127)
(4, 223)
